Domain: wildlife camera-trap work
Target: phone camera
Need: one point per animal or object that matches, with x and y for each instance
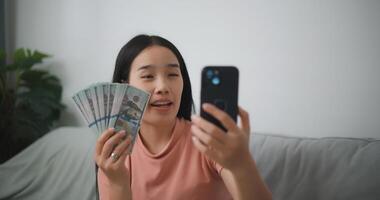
(215, 81)
(209, 74)
(213, 76)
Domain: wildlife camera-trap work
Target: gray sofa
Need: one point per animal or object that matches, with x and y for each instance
(326, 168)
(60, 166)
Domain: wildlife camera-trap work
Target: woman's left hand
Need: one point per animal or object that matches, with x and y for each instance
(230, 149)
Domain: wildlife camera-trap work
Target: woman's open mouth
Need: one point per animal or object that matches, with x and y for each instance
(161, 104)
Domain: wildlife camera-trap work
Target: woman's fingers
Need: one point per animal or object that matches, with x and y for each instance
(244, 116)
(209, 128)
(234, 145)
(204, 149)
(111, 143)
(120, 152)
(102, 140)
(206, 139)
(220, 115)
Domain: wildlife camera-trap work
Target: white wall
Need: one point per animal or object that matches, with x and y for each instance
(308, 68)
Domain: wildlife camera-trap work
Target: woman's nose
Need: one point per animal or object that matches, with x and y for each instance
(162, 86)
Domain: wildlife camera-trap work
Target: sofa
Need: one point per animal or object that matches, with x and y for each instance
(60, 166)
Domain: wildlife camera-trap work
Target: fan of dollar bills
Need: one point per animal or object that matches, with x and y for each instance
(106, 105)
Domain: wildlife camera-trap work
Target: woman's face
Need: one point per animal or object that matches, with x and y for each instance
(156, 70)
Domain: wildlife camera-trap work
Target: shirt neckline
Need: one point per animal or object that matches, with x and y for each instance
(178, 127)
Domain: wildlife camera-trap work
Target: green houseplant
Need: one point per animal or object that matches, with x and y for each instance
(30, 101)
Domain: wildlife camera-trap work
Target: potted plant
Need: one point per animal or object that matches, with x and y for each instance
(30, 101)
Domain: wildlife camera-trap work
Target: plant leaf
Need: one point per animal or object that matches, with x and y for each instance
(30, 107)
(40, 92)
(24, 59)
(40, 100)
(2, 59)
(3, 76)
(28, 125)
(41, 78)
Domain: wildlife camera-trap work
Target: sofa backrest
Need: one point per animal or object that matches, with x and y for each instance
(298, 168)
(60, 166)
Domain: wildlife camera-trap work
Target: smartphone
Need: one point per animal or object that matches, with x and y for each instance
(220, 86)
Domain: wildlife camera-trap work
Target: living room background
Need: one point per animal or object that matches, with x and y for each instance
(307, 68)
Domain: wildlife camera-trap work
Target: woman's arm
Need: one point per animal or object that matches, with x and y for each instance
(246, 182)
(231, 151)
(109, 190)
(113, 177)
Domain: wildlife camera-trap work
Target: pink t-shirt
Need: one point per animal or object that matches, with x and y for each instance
(179, 171)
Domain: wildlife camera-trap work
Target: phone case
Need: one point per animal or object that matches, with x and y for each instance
(219, 86)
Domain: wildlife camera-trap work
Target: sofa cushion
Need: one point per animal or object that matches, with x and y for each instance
(326, 168)
(57, 166)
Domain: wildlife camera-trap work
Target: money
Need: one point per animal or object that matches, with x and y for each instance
(117, 105)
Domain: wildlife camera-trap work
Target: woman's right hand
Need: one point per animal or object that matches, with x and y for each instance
(110, 153)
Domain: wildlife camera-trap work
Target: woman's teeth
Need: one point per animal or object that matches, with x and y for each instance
(167, 103)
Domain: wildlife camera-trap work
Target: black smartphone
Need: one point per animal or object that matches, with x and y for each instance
(220, 86)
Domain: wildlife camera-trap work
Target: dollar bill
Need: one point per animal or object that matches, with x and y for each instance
(132, 107)
(105, 105)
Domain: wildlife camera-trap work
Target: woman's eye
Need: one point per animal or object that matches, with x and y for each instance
(173, 74)
(147, 76)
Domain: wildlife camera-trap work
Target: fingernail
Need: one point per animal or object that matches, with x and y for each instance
(112, 130)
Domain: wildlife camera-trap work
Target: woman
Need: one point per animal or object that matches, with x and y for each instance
(176, 156)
